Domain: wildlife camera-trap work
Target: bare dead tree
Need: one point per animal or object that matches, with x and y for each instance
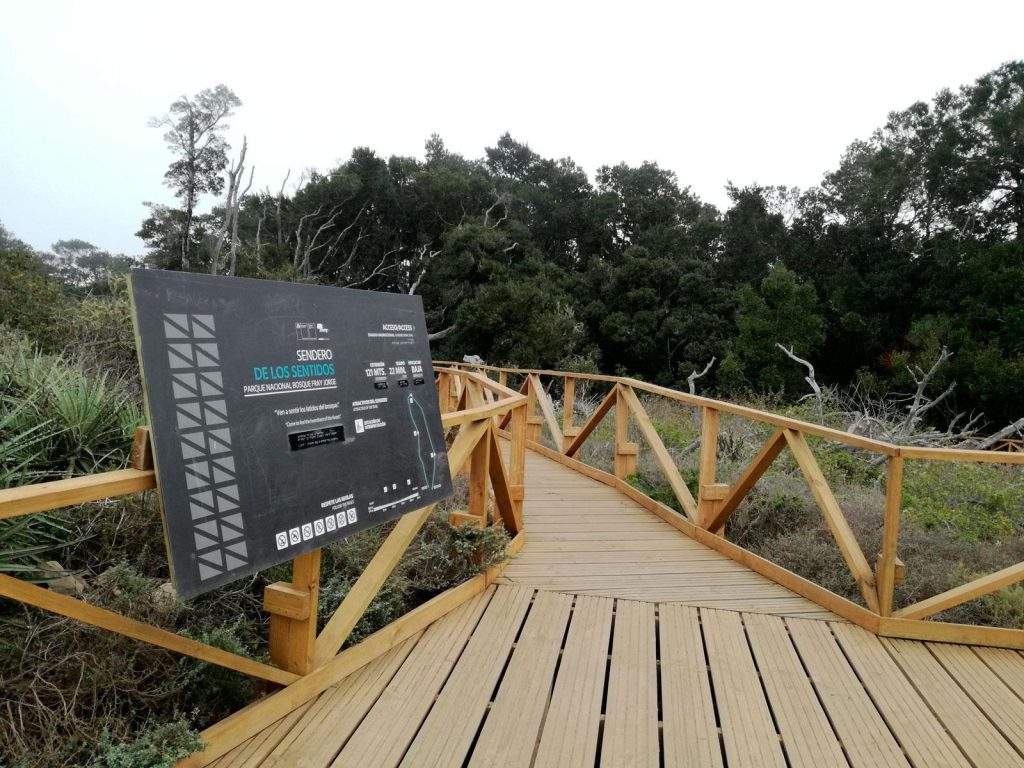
(426, 256)
(235, 241)
(812, 382)
(234, 174)
(691, 380)
(921, 403)
(280, 203)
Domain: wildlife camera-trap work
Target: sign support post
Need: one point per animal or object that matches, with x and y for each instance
(293, 614)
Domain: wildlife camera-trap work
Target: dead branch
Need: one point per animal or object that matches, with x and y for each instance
(691, 380)
(920, 403)
(438, 335)
(231, 202)
(809, 378)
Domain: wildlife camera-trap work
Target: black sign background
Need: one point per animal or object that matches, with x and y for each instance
(283, 416)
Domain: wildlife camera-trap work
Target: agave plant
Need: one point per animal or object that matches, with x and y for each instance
(56, 421)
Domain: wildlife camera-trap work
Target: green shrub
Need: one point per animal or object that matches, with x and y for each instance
(973, 502)
(159, 746)
(58, 421)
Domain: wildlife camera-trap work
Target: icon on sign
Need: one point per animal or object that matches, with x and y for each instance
(312, 332)
(282, 540)
(294, 536)
(359, 426)
(318, 527)
(331, 523)
(341, 519)
(351, 515)
(307, 531)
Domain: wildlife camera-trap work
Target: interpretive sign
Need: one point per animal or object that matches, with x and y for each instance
(282, 417)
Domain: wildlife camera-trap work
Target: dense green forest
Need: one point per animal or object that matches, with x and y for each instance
(914, 242)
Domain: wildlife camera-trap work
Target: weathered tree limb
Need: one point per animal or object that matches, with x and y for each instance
(691, 380)
(809, 378)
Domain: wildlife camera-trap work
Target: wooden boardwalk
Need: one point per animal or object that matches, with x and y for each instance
(597, 650)
(586, 538)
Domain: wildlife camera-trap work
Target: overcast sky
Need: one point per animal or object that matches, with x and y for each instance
(765, 92)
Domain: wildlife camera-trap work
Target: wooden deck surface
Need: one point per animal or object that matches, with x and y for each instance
(597, 652)
(585, 538)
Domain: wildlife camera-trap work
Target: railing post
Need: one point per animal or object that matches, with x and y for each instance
(885, 574)
(293, 613)
(569, 432)
(708, 495)
(479, 472)
(517, 456)
(533, 419)
(503, 378)
(625, 451)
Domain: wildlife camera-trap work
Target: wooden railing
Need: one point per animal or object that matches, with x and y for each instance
(304, 661)
(707, 512)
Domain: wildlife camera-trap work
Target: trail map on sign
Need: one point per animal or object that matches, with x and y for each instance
(282, 416)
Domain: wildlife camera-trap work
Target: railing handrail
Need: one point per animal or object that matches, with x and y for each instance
(767, 417)
(705, 515)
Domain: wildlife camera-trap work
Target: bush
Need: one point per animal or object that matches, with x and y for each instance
(159, 746)
(99, 332)
(57, 420)
(973, 502)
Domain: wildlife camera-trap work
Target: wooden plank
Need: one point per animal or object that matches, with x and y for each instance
(1007, 665)
(448, 732)
(591, 424)
(865, 737)
(572, 725)
(886, 576)
(292, 637)
(631, 715)
(387, 557)
(384, 734)
(568, 403)
(834, 517)
(228, 733)
(807, 736)
(747, 730)
(739, 490)
(977, 738)
(547, 409)
(479, 476)
(992, 678)
(961, 455)
(625, 451)
(688, 711)
(510, 732)
(969, 591)
(797, 584)
(707, 459)
(30, 594)
(943, 632)
(921, 735)
(765, 417)
(661, 454)
(321, 733)
(753, 414)
(510, 511)
(40, 497)
(254, 751)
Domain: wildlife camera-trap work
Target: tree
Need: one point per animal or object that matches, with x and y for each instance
(83, 267)
(782, 310)
(30, 299)
(195, 134)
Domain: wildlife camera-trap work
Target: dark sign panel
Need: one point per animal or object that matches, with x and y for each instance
(283, 417)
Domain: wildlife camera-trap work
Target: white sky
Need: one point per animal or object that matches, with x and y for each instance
(716, 91)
